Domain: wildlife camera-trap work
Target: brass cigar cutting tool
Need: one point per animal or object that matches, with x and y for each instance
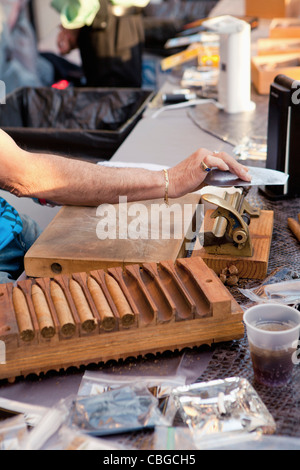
(230, 232)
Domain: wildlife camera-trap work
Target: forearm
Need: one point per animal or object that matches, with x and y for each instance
(75, 182)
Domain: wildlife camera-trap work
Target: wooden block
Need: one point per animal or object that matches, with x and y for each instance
(265, 68)
(176, 305)
(276, 8)
(273, 46)
(218, 299)
(284, 28)
(254, 267)
(71, 242)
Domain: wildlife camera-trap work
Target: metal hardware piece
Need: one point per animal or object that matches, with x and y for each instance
(230, 233)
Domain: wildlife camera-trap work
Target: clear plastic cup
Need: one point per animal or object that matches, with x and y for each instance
(273, 335)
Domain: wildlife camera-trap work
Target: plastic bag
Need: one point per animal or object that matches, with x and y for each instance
(75, 440)
(253, 441)
(281, 287)
(216, 408)
(13, 431)
(49, 424)
(32, 413)
(78, 122)
(173, 438)
(93, 383)
(120, 410)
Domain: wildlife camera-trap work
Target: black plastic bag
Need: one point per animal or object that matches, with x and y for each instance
(75, 122)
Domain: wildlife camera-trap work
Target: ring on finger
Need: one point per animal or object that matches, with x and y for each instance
(204, 167)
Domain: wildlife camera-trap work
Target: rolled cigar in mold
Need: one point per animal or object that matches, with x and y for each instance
(64, 314)
(85, 314)
(23, 316)
(42, 312)
(123, 307)
(108, 321)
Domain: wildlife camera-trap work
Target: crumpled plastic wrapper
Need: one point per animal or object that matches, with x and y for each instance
(254, 148)
(283, 286)
(222, 406)
(94, 383)
(287, 292)
(13, 431)
(121, 410)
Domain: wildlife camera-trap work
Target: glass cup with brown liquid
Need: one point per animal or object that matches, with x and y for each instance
(273, 335)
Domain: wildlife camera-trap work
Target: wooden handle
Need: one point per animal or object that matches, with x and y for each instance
(62, 308)
(42, 311)
(124, 309)
(108, 321)
(85, 314)
(23, 316)
(294, 227)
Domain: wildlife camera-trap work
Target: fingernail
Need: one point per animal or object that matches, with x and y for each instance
(246, 174)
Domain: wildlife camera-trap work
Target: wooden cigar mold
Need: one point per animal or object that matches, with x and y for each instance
(84, 318)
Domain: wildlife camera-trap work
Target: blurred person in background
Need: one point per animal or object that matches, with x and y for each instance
(110, 37)
(20, 63)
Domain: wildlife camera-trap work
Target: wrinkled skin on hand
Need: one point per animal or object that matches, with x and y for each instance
(188, 175)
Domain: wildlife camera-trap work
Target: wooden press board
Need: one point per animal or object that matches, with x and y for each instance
(70, 243)
(172, 305)
(254, 267)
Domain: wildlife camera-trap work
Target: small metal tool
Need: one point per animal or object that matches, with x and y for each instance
(230, 233)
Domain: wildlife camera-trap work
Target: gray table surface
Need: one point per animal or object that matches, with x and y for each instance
(175, 134)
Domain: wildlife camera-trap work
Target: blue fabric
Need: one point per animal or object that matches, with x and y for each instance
(12, 255)
(10, 223)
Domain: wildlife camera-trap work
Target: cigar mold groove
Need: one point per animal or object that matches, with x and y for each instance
(92, 317)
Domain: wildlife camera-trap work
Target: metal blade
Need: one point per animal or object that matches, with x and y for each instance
(260, 177)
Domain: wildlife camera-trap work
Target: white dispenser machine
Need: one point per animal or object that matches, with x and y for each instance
(234, 87)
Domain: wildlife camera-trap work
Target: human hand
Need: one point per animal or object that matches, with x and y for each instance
(189, 175)
(67, 40)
